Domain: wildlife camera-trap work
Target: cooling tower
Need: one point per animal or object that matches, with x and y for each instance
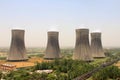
(82, 47)
(96, 45)
(52, 50)
(17, 50)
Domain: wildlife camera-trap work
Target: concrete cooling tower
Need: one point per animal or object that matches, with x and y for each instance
(17, 50)
(96, 45)
(82, 47)
(52, 50)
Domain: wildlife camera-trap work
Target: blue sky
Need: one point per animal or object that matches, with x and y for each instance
(37, 16)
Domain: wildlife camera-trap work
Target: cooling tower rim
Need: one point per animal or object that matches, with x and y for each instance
(17, 28)
(53, 31)
(82, 28)
(95, 32)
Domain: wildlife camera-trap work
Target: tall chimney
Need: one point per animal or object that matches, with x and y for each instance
(82, 47)
(52, 50)
(17, 50)
(96, 45)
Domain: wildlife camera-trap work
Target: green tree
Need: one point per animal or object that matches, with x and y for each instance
(1, 75)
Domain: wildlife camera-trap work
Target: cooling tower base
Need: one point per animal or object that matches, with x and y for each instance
(17, 60)
(89, 61)
(51, 58)
(98, 57)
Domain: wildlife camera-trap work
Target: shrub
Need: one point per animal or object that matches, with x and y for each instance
(112, 72)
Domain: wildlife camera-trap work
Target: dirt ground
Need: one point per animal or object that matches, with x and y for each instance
(117, 64)
(31, 62)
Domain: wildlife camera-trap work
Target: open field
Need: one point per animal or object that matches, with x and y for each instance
(30, 62)
(30, 52)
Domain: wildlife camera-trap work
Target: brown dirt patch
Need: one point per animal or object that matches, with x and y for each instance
(117, 64)
(31, 62)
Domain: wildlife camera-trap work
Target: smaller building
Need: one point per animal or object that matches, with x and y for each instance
(7, 67)
(44, 71)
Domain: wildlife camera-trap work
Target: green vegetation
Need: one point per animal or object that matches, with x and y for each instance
(35, 55)
(98, 62)
(65, 68)
(24, 75)
(67, 53)
(2, 58)
(111, 72)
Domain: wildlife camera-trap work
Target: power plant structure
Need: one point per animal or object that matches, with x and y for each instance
(17, 50)
(96, 45)
(82, 46)
(53, 49)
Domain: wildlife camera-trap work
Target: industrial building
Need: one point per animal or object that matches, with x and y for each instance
(82, 47)
(52, 49)
(17, 50)
(96, 44)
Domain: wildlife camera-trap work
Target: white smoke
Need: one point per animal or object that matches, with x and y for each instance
(82, 26)
(97, 31)
(17, 28)
(53, 29)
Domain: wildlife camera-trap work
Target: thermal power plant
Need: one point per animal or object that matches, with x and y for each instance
(17, 50)
(82, 46)
(53, 49)
(96, 45)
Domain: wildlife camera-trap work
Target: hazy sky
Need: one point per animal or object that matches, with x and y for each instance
(37, 16)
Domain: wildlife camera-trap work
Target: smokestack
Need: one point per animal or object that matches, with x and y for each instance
(17, 50)
(82, 47)
(96, 44)
(52, 50)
